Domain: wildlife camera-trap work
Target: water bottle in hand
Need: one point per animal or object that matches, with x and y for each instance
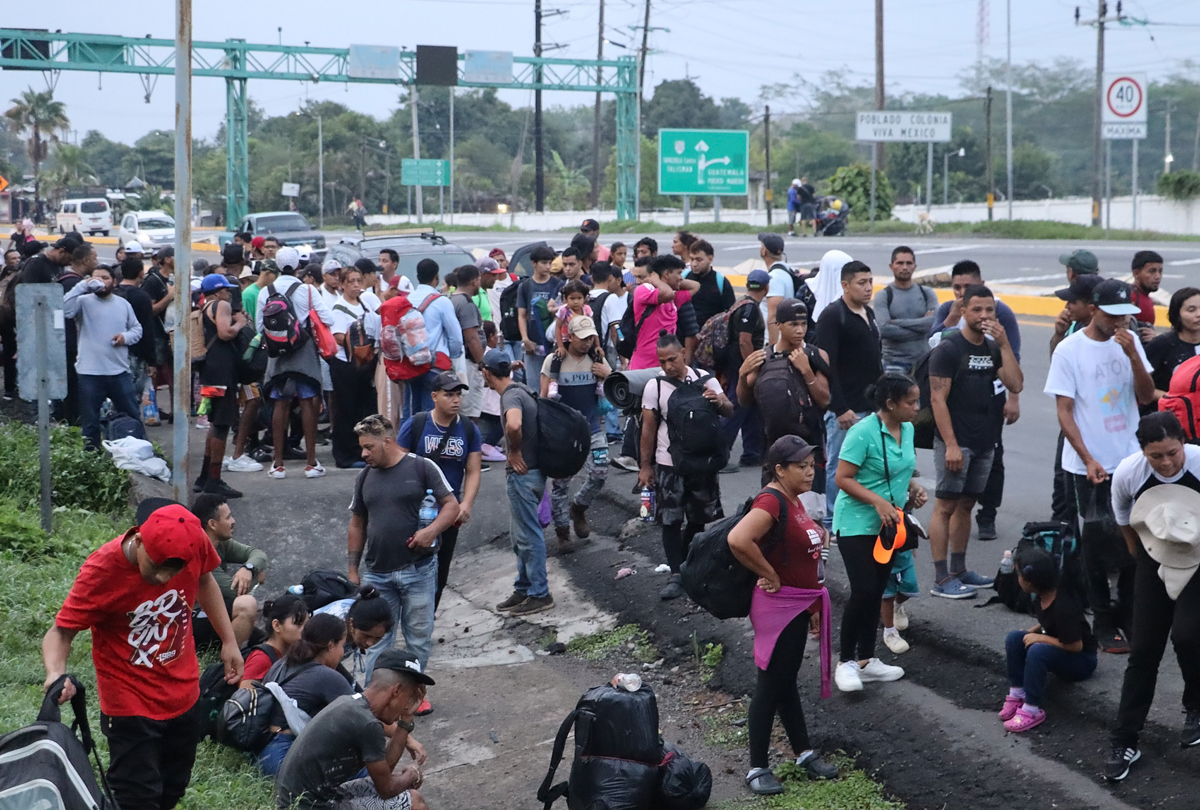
(1006, 563)
(429, 510)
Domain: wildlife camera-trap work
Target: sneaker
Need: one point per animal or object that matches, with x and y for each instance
(292, 453)
(900, 618)
(533, 604)
(482, 467)
(202, 423)
(626, 463)
(263, 453)
(878, 672)
(973, 580)
(1024, 719)
(848, 677)
(1011, 704)
(1117, 767)
(952, 588)
(492, 453)
(579, 521)
(425, 708)
(277, 472)
(731, 467)
(511, 602)
(243, 463)
(987, 528)
(1191, 729)
(615, 438)
(1113, 642)
(216, 486)
(673, 589)
(895, 643)
(225, 462)
(815, 767)
(763, 782)
(315, 471)
(199, 485)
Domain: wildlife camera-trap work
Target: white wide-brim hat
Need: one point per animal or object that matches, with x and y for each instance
(1167, 520)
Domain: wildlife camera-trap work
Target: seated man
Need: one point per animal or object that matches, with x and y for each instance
(348, 735)
(242, 567)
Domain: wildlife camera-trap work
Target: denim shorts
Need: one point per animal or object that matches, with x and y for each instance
(970, 481)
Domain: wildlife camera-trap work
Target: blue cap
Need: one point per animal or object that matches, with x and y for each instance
(758, 279)
(215, 281)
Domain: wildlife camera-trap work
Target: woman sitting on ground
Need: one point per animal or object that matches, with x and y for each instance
(285, 619)
(311, 675)
(787, 562)
(1062, 643)
(368, 619)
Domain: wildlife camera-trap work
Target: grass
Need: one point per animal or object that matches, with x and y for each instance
(726, 729)
(627, 637)
(853, 790)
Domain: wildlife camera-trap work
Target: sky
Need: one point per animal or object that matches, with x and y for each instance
(728, 47)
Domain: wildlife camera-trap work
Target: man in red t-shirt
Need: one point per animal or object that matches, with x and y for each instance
(135, 593)
(1147, 276)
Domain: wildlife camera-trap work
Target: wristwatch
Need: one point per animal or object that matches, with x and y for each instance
(407, 725)
(249, 567)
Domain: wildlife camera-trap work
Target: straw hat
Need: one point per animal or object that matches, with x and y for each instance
(1167, 520)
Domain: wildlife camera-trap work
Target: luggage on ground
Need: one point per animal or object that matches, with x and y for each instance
(323, 586)
(214, 690)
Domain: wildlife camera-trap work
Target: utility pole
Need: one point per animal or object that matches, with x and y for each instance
(1168, 158)
(320, 175)
(879, 91)
(642, 52)
(1196, 146)
(414, 101)
(767, 137)
(596, 117)
(1097, 146)
(539, 168)
(1008, 135)
(987, 159)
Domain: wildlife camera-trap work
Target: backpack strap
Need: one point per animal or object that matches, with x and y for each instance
(546, 794)
(779, 530)
(418, 426)
(50, 712)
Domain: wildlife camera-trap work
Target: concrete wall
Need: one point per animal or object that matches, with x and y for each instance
(1154, 213)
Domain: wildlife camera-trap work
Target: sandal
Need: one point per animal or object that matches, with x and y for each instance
(763, 782)
(1011, 704)
(1024, 720)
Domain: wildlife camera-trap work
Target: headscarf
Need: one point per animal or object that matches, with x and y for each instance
(828, 287)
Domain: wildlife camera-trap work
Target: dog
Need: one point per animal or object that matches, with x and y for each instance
(925, 223)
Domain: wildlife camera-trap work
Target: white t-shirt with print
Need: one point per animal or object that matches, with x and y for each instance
(1099, 377)
(654, 399)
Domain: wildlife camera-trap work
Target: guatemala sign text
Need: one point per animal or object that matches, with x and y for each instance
(703, 161)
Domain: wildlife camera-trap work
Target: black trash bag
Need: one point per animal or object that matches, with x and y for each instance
(603, 783)
(619, 724)
(683, 783)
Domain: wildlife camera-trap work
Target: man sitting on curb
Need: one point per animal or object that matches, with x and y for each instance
(242, 567)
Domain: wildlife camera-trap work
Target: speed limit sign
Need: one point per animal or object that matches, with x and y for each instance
(1124, 98)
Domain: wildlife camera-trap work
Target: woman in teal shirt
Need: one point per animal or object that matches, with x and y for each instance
(872, 488)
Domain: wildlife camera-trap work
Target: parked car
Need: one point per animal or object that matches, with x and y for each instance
(91, 215)
(151, 228)
(290, 228)
(412, 248)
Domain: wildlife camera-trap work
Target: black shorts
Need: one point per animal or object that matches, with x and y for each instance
(676, 497)
(224, 410)
(150, 761)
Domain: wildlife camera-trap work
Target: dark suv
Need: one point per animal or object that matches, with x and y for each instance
(290, 228)
(412, 247)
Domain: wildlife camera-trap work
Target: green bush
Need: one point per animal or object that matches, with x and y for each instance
(853, 184)
(80, 478)
(1181, 185)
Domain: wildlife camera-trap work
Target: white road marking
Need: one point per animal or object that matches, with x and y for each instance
(950, 249)
(1181, 262)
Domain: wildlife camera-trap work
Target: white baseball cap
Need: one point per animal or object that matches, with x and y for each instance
(287, 257)
(304, 253)
(795, 181)
(133, 246)
(331, 264)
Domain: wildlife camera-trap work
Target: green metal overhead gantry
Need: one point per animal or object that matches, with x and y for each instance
(237, 61)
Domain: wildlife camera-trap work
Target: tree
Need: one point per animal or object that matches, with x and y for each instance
(105, 158)
(568, 183)
(39, 114)
(853, 184)
(678, 104)
(71, 166)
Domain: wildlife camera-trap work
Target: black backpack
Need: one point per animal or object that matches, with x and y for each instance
(117, 425)
(693, 428)
(323, 586)
(245, 721)
(617, 751)
(713, 577)
(46, 765)
(627, 332)
(801, 290)
(1056, 538)
(786, 407)
(214, 690)
(252, 355)
(924, 427)
(509, 316)
(564, 437)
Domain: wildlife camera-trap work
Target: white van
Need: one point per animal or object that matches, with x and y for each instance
(92, 215)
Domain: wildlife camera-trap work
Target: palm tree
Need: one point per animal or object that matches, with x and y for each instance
(39, 114)
(72, 166)
(568, 178)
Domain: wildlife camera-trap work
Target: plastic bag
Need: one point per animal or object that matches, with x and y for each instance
(129, 447)
(614, 784)
(683, 783)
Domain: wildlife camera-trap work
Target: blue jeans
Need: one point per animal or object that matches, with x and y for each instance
(418, 395)
(612, 423)
(1029, 666)
(270, 759)
(516, 354)
(528, 540)
(93, 390)
(834, 436)
(744, 419)
(411, 593)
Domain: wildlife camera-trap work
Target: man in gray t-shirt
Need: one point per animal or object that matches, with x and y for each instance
(526, 484)
(401, 554)
(904, 314)
(474, 342)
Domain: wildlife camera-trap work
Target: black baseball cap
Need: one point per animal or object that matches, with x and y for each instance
(448, 381)
(403, 661)
(786, 450)
(233, 252)
(589, 225)
(1081, 288)
(1114, 298)
(69, 242)
(790, 309)
(773, 242)
(165, 252)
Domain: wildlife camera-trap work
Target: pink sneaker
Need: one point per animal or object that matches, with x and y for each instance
(1024, 720)
(1011, 704)
(491, 453)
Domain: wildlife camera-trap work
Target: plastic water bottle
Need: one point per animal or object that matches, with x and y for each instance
(629, 681)
(647, 510)
(1006, 563)
(429, 510)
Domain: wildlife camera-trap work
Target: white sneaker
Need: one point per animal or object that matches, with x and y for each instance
(243, 463)
(876, 670)
(900, 618)
(847, 677)
(314, 472)
(895, 643)
(225, 462)
(277, 472)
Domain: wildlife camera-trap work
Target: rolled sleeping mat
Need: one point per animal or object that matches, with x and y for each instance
(624, 388)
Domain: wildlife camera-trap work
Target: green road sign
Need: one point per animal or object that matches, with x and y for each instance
(703, 161)
(424, 172)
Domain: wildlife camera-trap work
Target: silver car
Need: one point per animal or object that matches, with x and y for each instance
(150, 228)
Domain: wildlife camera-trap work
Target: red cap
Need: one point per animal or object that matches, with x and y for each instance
(257, 241)
(495, 252)
(172, 532)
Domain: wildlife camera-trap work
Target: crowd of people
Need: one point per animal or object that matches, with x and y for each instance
(829, 383)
